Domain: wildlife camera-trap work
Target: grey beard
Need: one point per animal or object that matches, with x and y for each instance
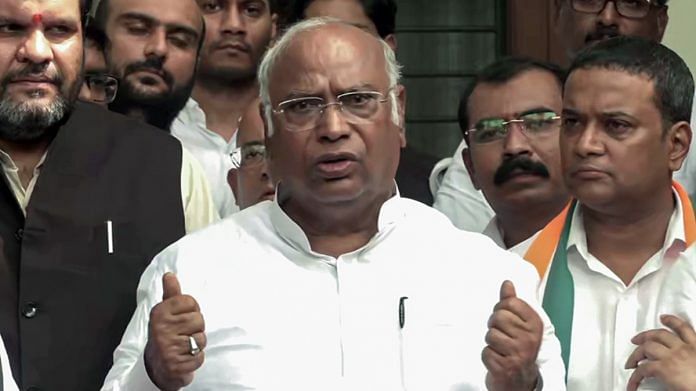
(27, 121)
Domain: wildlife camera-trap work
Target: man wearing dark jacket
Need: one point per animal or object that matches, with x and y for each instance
(87, 197)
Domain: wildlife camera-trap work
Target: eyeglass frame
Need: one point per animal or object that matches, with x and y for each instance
(616, 7)
(85, 81)
(506, 125)
(237, 156)
(322, 107)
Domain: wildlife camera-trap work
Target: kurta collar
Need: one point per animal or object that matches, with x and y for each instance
(391, 212)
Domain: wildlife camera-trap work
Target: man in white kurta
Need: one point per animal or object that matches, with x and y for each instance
(339, 283)
(281, 316)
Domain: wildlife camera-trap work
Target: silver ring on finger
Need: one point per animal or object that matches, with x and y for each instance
(194, 349)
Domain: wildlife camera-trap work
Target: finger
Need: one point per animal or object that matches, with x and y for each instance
(645, 370)
(201, 340)
(499, 342)
(520, 308)
(170, 286)
(507, 290)
(665, 337)
(492, 360)
(507, 322)
(182, 304)
(187, 324)
(683, 329)
(648, 351)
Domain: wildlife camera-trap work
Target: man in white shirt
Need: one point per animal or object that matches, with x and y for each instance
(237, 34)
(510, 117)
(577, 26)
(340, 283)
(625, 129)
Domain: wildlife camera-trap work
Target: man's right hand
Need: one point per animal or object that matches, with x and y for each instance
(168, 357)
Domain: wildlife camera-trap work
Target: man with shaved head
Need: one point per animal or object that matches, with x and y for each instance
(250, 178)
(340, 283)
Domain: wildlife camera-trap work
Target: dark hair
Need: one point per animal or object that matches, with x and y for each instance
(95, 34)
(499, 72)
(382, 13)
(674, 84)
(85, 7)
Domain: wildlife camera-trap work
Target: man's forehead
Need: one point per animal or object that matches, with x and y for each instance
(608, 89)
(163, 11)
(40, 9)
(320, 53)
(527, 91)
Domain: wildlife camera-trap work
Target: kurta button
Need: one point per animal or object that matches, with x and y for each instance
(19, 234)
(29, 311)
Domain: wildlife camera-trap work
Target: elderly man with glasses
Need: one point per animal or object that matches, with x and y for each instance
(510, 121)
(578, 23)
(340, 284)
(250, 177)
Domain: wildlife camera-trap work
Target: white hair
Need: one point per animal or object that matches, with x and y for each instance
(268, 63)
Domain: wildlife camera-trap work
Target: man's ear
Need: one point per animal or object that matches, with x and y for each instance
(401, 102)
(466, 156)
(391, 41)
(232, 176)
(678, 141)
(662, 20)
(274, 26)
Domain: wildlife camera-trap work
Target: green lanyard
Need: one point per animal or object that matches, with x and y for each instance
(559, 295)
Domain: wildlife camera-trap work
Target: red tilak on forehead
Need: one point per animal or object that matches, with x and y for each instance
(37, 18)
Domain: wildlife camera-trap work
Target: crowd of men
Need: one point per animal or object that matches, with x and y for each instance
(220, 195)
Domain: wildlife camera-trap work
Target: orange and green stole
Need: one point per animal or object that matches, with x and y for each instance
(550, 246)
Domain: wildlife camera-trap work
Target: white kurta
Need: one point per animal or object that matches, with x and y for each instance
(8, 382)
(607, 313)
(282, 317)
(211, 151)
(457, 197)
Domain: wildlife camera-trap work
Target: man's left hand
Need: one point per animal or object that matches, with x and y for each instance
(513, 338)
(669, 356)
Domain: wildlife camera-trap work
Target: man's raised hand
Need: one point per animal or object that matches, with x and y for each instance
(513, 339)
(170, 357)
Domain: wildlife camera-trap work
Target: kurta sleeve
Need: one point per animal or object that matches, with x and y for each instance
(199, 208)
(128, 371)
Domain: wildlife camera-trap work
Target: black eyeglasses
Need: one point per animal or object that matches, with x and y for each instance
(632, 9)
(102, 87)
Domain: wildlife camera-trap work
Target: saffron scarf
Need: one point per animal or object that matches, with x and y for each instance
(550, 247)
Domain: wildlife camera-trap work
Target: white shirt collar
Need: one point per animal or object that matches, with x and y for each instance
(192, 115)
(390, 214)
(675, 238)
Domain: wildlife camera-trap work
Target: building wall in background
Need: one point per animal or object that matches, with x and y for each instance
(681, 30)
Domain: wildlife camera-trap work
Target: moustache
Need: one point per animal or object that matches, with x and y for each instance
(153, 65)
(526, 165)
(603, 32)
(33, 71)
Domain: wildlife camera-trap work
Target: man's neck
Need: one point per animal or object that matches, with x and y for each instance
(337, 229)
(223, 104)
(519, 225)
(624, 240)
(26, 156)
